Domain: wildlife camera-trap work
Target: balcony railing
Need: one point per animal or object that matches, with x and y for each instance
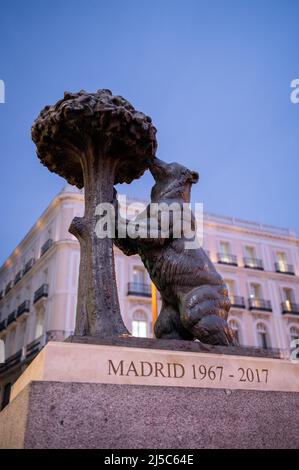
(18, 277)
(237, 301)
(259, 304)
(290, 307)
(11, 362)
(136, 288)
(8, 287)
(42, 291)
(253, 263)
(3, 324)
(24, 307)
(28, 266)
(11, 317)
(24, 356)
(34, 347)
(284, 268)
(223, 258)
(46, 246)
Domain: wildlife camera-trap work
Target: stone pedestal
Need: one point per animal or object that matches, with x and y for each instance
(97, 396)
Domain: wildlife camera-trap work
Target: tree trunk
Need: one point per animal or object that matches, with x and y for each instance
(98, 312)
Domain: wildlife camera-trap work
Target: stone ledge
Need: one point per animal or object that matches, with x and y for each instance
(110, 364)
(175, 345)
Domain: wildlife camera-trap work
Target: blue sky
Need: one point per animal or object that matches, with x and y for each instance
(213, 75)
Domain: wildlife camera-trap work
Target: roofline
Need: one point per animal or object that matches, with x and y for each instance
(72, 191)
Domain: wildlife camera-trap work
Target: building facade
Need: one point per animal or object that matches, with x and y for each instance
(38, 284)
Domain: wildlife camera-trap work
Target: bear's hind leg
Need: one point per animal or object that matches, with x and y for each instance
(204, 311)
(168, 324)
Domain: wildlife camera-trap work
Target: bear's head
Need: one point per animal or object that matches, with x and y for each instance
(173, 181)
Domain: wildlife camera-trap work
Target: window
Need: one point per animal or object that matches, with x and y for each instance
(234, 325)
(39, 326)
(294, 333)
(225, 248)
(140, 275)
(139, 324)
(263, 336)
(288, 296)
(230, 287)
(21, 334)
(255, 291)
(11, 343)
(282, 261)
(288, 299)
(250, 252)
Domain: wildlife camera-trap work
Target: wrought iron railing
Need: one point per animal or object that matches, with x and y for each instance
(290, 307)
(237, 301)
(11, 317)
(259, 304)
(140, 289)
(24, 307)
(28, 266)
(46, 246)
(253, 263)
(284, 268)
(224, 258)
(41, 292)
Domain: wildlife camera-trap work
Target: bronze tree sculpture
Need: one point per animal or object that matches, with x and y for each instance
(195, 301)
(95, 140)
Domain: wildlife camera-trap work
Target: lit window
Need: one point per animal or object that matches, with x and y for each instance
(255, 291)
(288, 298)
(39, 326)
(139, 328)
(139, 324)
(282, 261)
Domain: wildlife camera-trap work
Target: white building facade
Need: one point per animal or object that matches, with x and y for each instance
(38, 284)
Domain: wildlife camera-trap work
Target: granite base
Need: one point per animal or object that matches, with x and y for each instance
(110, 416)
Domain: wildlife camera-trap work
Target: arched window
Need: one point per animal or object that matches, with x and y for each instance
(294, 333)
(234, 325)
(139, 324)
(263, 336)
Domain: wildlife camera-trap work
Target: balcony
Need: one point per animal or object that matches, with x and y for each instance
(24, 307)
(142, 290)
(8, 287)
(284, 268)
(34, 347)
(289, 307)
(237, 301)
(253, 263)
(46, 246)
(259, 304)
(11, 362)
(41, 292)
(3, 324)
(18, 277)
(12, 317)
(28, 266)
(224, 258)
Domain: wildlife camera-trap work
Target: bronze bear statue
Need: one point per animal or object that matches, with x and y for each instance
(195, 302)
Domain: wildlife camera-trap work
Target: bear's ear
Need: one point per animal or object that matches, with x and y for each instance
(194, 177)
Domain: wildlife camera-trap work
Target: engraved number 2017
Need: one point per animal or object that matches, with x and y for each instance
(253, 375)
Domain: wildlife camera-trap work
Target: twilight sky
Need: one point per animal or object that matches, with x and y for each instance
(213, 75)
